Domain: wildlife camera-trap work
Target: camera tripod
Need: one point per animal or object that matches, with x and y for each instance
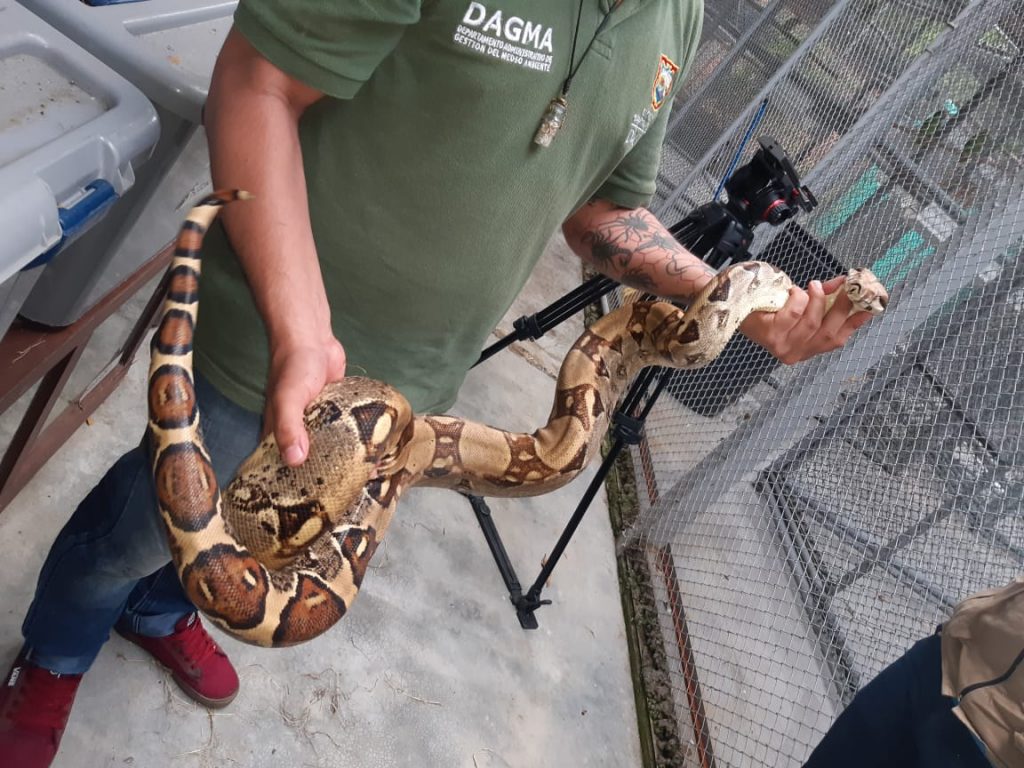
(765, 190)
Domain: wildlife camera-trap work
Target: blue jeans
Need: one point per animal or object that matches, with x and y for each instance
(901, 720)
(111, 562)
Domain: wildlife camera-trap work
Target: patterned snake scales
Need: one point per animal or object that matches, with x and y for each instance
(278, 558)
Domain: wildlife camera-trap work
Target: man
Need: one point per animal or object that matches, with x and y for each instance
(401, 202)
(954, 700)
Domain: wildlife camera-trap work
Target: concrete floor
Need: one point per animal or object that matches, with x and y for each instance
(430, 668)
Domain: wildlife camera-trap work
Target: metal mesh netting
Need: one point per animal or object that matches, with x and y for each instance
(800, 527)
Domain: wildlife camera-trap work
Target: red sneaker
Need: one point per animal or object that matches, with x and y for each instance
(199, 666)
(34, 708)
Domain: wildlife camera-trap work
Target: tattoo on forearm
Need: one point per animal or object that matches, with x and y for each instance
(633, 247)
(605, 252)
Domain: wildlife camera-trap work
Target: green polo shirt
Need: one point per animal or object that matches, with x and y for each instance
(430, 202)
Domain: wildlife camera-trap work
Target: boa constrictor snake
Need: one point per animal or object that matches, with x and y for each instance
(277, 558)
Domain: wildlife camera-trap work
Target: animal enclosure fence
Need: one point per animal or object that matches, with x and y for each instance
(799, 527)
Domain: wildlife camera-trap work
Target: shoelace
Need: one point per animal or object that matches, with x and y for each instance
(194, 643)
(44, 699)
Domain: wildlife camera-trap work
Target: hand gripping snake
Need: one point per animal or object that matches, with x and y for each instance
(277, 558)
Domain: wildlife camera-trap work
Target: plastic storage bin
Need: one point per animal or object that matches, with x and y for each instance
(166, 48)
(71, 135)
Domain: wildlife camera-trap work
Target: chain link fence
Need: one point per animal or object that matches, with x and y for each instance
(799, 527)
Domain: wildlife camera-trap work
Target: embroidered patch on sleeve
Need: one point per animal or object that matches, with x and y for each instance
(663, 80)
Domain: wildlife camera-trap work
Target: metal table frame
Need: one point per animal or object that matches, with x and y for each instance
(48, 356)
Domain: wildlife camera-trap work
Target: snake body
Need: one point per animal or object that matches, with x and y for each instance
(278, 558)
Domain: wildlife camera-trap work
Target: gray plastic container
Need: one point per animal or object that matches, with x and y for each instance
(71, 135)
(166, 48)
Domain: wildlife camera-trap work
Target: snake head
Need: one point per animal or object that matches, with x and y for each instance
(866, 292)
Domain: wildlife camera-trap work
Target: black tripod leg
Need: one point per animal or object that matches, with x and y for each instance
(535, 326)
(531, 601)
(497, 547)
(628, 430)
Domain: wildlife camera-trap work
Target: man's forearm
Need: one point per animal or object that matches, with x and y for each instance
(633, 247)
(252, 127)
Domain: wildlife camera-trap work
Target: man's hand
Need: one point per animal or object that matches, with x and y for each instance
(802, 328)
(297, 374)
